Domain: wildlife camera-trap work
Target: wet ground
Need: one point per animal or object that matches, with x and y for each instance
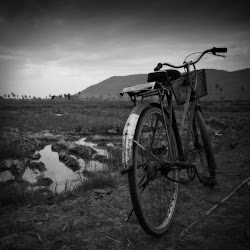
(96, 220)
(63, 162)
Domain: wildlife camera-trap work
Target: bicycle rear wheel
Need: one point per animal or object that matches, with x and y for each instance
(206, 164)
(154, 197)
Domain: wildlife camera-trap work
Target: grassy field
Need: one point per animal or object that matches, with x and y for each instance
(75, 117)
(19, 118)
(38, 115)
(83, 217)
(88, 116)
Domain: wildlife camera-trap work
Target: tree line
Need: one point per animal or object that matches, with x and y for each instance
(15, 96)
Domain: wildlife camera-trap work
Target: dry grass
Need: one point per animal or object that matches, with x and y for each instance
(35, 116)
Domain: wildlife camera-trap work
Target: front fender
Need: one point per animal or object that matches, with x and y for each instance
(129, 132)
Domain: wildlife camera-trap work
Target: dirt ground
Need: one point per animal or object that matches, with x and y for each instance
(97, 220)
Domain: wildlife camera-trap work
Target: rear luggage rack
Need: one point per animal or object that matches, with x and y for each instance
(143, 90)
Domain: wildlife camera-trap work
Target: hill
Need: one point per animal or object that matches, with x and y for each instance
(222, 85)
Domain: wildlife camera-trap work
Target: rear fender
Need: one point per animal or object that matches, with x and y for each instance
(129, 132)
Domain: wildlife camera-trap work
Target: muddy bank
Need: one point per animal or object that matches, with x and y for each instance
(58, 159)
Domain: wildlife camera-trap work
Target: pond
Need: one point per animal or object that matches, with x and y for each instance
(62, 176)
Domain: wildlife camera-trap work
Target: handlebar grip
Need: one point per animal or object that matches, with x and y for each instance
(158, 67)
(219, 50)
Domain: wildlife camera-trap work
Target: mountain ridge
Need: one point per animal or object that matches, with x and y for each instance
(222, 85)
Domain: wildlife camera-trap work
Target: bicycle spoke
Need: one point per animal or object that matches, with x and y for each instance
(149, 153)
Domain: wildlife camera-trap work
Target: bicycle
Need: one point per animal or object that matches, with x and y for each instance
(155, 150)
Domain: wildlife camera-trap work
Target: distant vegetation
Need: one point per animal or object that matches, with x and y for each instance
(28, 97)
(221, 84)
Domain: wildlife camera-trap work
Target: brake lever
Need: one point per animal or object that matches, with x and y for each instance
(220, 55)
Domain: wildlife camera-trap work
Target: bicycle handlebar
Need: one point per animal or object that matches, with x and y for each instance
(219, 50)
(214, 50)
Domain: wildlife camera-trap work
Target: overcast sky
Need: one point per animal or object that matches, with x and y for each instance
(63, 46)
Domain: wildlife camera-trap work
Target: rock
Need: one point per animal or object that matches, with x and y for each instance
(40, 166)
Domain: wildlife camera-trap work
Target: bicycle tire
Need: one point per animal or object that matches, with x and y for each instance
(153, 196)
(206, 163)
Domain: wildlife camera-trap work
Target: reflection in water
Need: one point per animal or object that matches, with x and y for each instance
(93, 165)
(62, 176)
(100, 151)
(57, 171)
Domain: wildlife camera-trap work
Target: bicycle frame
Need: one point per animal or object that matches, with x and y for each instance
(194, 104)
(128, 139)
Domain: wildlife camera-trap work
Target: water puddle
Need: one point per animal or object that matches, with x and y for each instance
(6, 176)
(62, 176)
(99, 150)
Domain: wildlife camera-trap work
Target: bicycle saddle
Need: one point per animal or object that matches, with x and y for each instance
(173, 74)
(164, 76)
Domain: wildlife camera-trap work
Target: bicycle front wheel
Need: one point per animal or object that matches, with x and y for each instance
(206, 164)
(154, 196)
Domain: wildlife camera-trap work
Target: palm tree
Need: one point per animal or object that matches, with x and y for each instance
(242, 91)
(217, 87)
(220, 92)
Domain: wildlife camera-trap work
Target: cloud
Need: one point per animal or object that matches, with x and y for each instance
(63, 43)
